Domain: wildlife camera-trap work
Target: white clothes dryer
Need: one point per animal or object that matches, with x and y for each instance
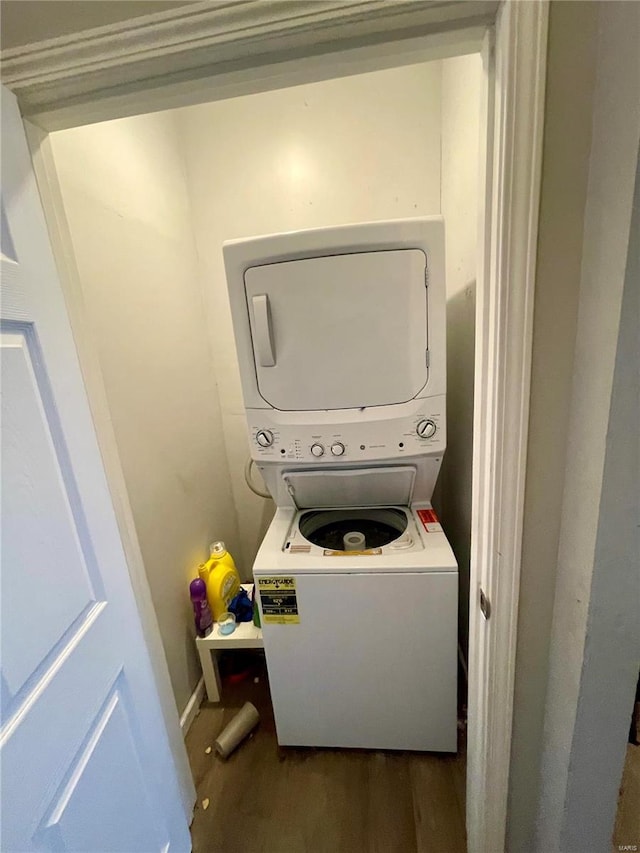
(341, 344)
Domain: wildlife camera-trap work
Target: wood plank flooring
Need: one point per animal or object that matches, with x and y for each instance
(267, 799)
(626, 834)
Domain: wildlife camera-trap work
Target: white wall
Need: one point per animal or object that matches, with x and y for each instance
(595, 635)
(361, 148)
(461, 92)
(126, 201)
(150, 201)
(568, 103)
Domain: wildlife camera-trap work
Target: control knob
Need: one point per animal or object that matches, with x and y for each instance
(264, 437)
(337, 448)
(317, 450)
(426, 429)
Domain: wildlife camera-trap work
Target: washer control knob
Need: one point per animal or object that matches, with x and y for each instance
(317, 450)
(264, 437)
(426, 429)
(337, 448)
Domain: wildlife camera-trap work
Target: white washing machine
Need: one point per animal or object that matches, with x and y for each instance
(341, 344)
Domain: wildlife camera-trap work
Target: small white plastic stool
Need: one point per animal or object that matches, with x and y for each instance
(246, 636)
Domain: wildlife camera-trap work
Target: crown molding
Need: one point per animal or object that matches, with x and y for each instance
(200, 39)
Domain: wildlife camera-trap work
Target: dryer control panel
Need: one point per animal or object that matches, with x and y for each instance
(350, 442)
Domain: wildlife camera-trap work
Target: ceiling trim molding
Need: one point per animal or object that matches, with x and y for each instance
(199, 38)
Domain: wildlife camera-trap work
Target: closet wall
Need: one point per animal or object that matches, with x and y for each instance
(150, 201)
(128, 210)
(355, 149)
(461, 93)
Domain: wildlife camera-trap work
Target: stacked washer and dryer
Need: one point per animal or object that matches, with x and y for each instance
(340, 334)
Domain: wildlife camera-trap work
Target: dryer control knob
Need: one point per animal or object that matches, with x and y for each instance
(426, 429)
(337, 448)
(264, 437)
(317, 450)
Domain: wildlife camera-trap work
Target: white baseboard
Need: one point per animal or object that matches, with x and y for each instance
(193, 706)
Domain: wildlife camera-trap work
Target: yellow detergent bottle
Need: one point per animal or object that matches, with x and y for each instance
(221, 577)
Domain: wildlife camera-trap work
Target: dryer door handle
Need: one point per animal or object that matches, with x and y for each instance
(263, 333)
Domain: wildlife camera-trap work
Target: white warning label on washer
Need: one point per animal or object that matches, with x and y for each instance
(279, 600)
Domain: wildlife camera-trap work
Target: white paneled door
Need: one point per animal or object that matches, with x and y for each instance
(86, 761)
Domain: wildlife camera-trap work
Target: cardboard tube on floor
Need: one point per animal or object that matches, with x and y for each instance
(244, 722)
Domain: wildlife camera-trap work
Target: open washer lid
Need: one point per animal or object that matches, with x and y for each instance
(340, 331)
(390, 486)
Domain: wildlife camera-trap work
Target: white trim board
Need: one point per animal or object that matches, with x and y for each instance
(175, 91)
(193, 707)
(206, 39)
(514, 48)
(512, 169)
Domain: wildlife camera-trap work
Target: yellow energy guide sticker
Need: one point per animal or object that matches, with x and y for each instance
(279, 600)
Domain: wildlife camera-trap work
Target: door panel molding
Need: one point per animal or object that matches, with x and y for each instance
(61, 827)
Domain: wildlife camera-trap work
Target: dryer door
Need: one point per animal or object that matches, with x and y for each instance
(340, 332)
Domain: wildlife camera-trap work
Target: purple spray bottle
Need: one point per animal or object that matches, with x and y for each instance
(201, 609)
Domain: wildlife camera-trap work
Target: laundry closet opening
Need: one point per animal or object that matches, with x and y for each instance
(149, 202)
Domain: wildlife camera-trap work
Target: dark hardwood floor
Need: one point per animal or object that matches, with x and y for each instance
(268, 799)
(626, 833)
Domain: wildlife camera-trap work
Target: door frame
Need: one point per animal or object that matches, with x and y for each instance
(202, 52)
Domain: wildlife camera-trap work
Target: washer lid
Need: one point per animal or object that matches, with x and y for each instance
(351, 487)
(341, 331)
